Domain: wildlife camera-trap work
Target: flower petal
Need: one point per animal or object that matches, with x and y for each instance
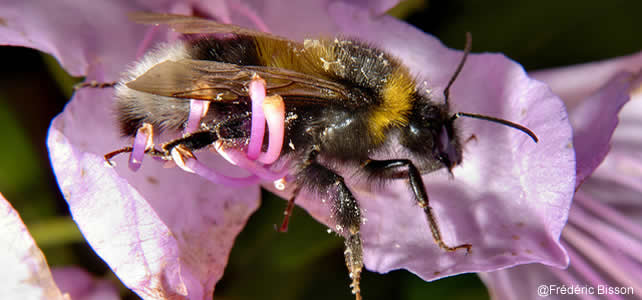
(510, 197)
(604, 87)
(25, 271)
(312, 18)
(603, 233)
(86, 39)
(521, 282)
(155, 217)
(594, 121)
(79, 284)
(576, 83)
(622, 167)
(162, 231)
(161, 249)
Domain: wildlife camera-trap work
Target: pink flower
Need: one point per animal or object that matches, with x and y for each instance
(167, 234)
(603, 236)
(26, 275)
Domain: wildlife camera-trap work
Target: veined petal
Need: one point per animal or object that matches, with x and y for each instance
(26, 274)
(604, 234)
(509, 198)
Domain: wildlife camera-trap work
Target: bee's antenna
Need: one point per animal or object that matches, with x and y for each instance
(469, 45)
(497, 120)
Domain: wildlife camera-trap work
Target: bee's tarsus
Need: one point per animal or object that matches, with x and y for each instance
(389, 168)
(288, 211)
(111, 155)
(93, 84)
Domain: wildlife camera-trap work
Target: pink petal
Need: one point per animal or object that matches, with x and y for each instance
(603, 236)
(576, 83)
(594, 92)
(164, 232)
(524, 282)
(623, 164)
(510, 197)
(594, 121)
(154, 231)
(86, 39)
(157, 216)
(312, 18)
(25, 274)
(79, 284)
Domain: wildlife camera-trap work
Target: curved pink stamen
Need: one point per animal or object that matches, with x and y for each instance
(142, 141)
(197, 110)
(274, 111)
(215, 177)
(192, 165)
(240, 159)
(257, 95)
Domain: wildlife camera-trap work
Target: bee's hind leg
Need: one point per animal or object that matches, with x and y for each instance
(345, 210)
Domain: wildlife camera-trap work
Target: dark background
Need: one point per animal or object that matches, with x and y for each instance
(305, 263)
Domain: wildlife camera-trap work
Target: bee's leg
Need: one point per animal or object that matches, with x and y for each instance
(324, 182)
(143, 144)
(471, 138)
(111, 155)
(152, 151)
(94, 84)
(191, 142)
(288, 211)
(181, 152)
(388, 169)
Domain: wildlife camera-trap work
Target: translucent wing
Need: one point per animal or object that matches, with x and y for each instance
(216, 81)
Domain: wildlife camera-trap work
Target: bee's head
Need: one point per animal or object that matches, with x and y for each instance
(432, 136)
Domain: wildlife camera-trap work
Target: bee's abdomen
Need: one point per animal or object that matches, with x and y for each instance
(135, 108)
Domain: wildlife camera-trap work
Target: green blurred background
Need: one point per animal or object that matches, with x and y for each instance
(307, 262)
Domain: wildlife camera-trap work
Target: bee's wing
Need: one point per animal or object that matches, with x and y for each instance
(216, 81)
(194, 25)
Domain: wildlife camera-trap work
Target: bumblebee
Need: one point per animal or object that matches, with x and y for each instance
(345, 101)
